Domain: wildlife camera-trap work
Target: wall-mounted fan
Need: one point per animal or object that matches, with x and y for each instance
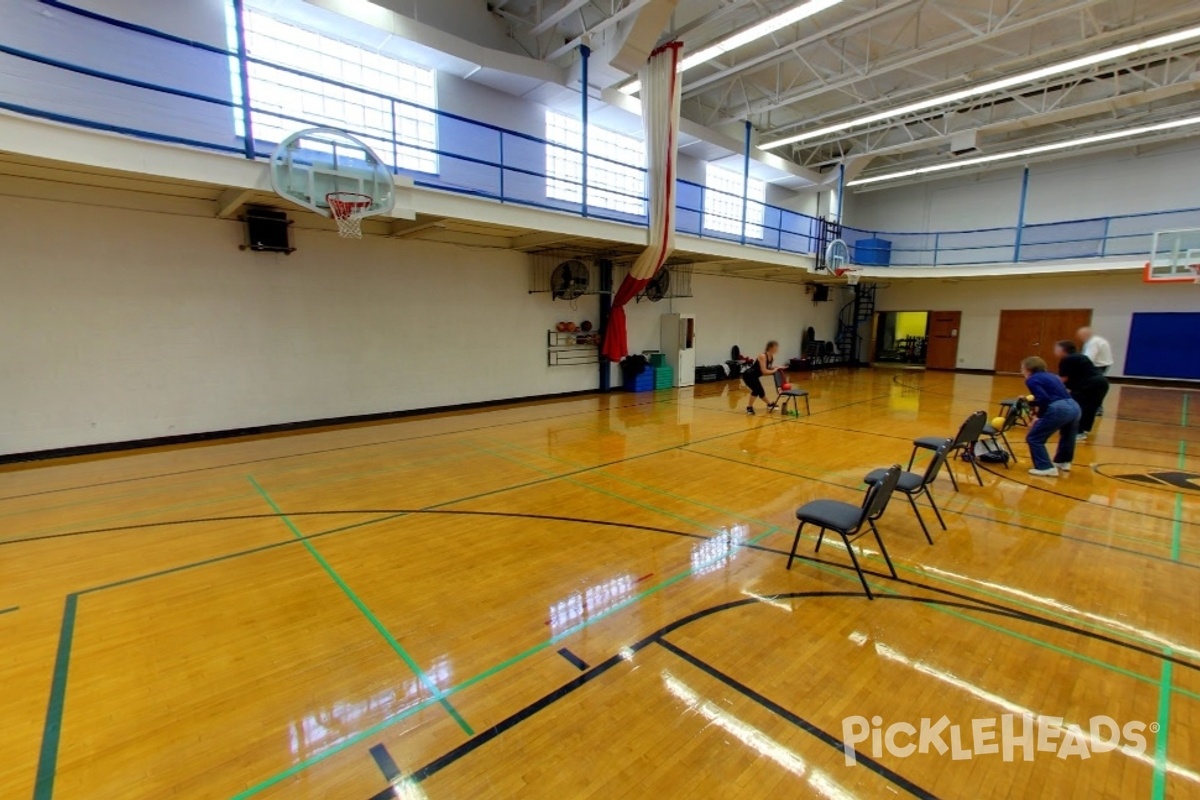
(569, 280)
(659, 286)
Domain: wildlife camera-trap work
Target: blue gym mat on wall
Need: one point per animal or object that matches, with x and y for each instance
(1164, 346)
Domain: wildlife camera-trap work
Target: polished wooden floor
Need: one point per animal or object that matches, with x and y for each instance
(588, 599)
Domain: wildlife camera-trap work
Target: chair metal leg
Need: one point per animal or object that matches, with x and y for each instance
(857, 568)
(929, 494)
(912, 500)
(795, 542)
(950, 471)
(1011, 452)
(972, 458)
(883, 550)
(820, 539)
(807, 408)
(912, 458)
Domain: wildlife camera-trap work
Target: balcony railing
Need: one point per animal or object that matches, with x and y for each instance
(483, 160)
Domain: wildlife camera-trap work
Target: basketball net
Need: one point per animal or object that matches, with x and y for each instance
(849, 273)
(348, 210)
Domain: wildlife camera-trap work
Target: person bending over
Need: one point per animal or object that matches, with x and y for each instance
(1084, 381)
(763, 365)
(1056, 412)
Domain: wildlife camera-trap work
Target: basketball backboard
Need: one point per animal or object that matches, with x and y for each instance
(1174, 257)
(311, 164)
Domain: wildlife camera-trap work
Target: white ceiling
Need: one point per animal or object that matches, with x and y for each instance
(865, 56)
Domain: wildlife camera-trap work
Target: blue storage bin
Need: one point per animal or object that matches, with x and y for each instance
(873, 253)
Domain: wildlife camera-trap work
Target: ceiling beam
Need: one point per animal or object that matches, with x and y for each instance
(907, 58)
(569, 8)
(633, 7)
(766, 59)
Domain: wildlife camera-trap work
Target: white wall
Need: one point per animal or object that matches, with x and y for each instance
(128, 324)
(1112, 298)
(139, 325)
(738, 311)
(68, 37)
(1157, 178)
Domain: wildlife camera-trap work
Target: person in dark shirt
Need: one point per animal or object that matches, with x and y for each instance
(763, 365)
(1056, 412)
(1084, 381)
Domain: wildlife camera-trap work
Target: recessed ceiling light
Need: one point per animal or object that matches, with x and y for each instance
(993, 86)
(1030, 151)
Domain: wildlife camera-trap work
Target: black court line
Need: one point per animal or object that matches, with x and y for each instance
(575, 660)
(1022, 526)
(657, 401)
(327, 449)
(466, 748)
(394, 513)
(385, 762)
(9, 610)
(799, 722)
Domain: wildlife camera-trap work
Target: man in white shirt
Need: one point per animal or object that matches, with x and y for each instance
(1098, 350)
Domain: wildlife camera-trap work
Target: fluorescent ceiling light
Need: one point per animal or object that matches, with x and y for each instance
(993, 86)
(746, 36)
(1030, 151)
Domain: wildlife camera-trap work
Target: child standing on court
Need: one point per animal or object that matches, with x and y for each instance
(1056, 411)
(762, 366)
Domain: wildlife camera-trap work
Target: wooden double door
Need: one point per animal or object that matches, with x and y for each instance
(1033, 333)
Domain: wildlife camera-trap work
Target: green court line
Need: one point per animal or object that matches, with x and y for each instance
(52, 729)
(389, 721)
(1158, 788)
(1177, 523)
(878, 559)
(354, 598)
(999, 628)
(9, 610)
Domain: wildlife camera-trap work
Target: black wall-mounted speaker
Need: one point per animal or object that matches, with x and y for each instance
(267, 230)
(821, 293)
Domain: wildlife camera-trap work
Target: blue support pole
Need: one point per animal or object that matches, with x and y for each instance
(585, 53)
(837, 214)
(395, 144)
(746, 182)
(937, 245)
(239, 22)
(1021, 216)
(502, 167)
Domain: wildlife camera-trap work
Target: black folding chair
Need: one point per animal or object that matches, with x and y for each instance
(787, 395)
(851, 521)
(995, 436)
(913, 486)
(963, 443)
(1024, 411)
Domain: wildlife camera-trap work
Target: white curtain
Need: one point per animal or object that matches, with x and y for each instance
(660, 120)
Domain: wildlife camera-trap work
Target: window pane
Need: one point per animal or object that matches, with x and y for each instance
(723, 203)
(616, 175)
(366, 114)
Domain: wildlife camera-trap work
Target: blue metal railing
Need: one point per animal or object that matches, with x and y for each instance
(483, 160)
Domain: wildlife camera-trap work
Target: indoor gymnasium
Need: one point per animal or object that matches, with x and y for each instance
(446, 399)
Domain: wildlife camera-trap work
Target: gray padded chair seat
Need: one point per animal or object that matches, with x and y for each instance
(830, 514)
(909, 481)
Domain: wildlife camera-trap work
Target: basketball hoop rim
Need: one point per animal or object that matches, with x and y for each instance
(342, 207)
